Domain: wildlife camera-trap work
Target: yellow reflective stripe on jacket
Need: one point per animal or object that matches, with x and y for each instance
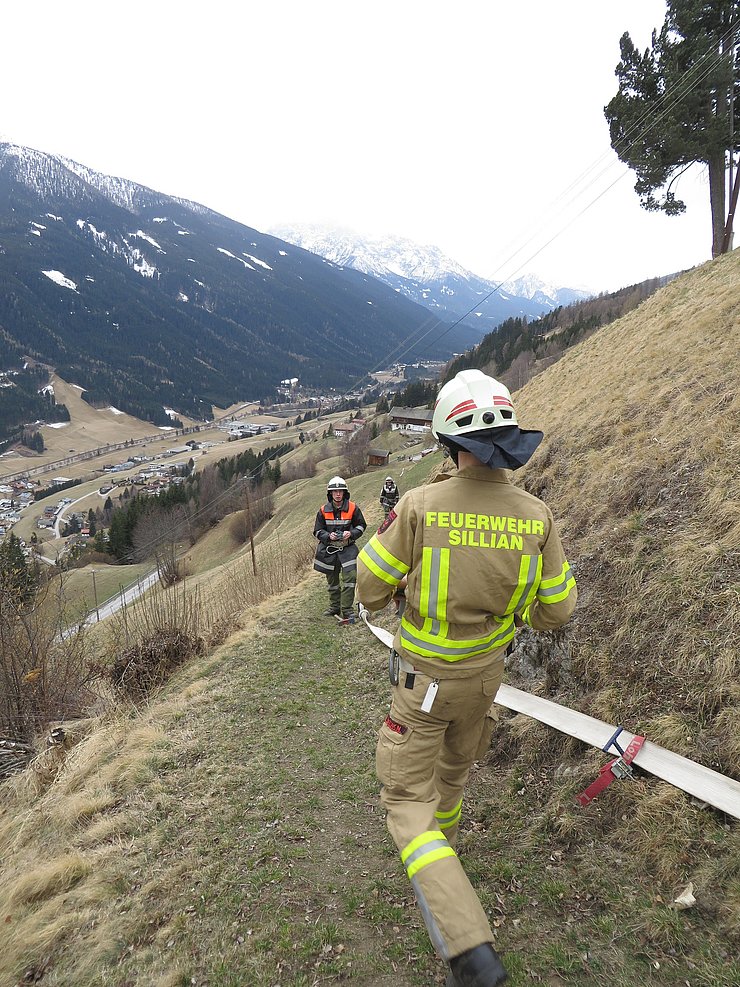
(435, 580)
(558, 588)
(431, 640)
(448, 819)
(530, 570)
(424, 850)
(381, 563)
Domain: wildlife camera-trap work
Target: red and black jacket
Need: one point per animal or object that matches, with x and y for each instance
(346, 517)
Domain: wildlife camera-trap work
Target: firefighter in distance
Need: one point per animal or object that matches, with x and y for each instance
(339, 523)
(389, 495)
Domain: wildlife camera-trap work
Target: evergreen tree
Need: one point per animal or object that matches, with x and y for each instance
(672, 109)
(17, 575)
(99, 542)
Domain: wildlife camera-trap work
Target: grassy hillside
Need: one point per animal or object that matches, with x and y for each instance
(230, 833)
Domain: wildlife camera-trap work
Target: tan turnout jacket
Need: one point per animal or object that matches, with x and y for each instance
(477, 550)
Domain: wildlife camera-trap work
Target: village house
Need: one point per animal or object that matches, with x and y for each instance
(344, 429)
(411, 419)
(378, 457)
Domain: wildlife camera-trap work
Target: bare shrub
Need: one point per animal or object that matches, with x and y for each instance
(258, 507)
(152, 637)
(299, 469)
(158, 534)
(354, 451)
(145, 666)
(238, 527)
(45, 675)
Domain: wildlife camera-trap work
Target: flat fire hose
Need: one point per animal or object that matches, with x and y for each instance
(704, 784)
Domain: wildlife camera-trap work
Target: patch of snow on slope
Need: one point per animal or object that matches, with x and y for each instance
(143, 236)
(257, 261)
(140, 264)
(222, 250)
(58, 278)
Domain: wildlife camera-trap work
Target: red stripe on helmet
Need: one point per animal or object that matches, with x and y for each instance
(468, 405)
(497, 401)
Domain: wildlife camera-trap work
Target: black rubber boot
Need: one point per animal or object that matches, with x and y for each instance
(478, 967)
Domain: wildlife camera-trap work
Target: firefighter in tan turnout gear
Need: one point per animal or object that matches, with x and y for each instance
(479, 557)
(339, 523)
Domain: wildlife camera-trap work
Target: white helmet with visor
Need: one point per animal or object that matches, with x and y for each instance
(475, 412)
(336, 483)
(471, 402)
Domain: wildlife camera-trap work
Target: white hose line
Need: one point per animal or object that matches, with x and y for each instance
(701, 782)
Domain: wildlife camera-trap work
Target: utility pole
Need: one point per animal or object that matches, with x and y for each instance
(250, 530)
(732, 185)
(95, 594)
(727, 239)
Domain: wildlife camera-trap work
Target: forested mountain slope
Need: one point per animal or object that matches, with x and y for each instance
(152, 302)
(518, 349)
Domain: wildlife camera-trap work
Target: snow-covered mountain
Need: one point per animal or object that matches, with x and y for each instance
(428, 276)
(534, 288)
(151, 302)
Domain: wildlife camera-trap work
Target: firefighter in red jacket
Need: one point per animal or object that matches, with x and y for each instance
(339, 523)
(478, 557)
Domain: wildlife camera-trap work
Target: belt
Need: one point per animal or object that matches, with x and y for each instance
(618, 768)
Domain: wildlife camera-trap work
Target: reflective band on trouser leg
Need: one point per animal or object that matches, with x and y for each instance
(452, 913)
(424, 850)
(449, 819)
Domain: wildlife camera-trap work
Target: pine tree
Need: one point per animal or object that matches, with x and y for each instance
(16, 574)
(672, 109)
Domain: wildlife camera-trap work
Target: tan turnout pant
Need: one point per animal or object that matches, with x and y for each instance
(423, 761)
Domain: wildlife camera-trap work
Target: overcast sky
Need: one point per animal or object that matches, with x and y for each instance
(477, 126)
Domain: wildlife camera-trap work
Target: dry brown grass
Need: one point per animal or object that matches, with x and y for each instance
(639, 464)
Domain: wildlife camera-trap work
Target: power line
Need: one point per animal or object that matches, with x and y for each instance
(651, 117)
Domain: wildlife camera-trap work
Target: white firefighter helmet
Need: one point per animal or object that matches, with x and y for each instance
(389, 479)
(472, 402)
(336, 483)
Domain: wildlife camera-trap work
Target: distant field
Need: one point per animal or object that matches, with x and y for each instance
(90, 429)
